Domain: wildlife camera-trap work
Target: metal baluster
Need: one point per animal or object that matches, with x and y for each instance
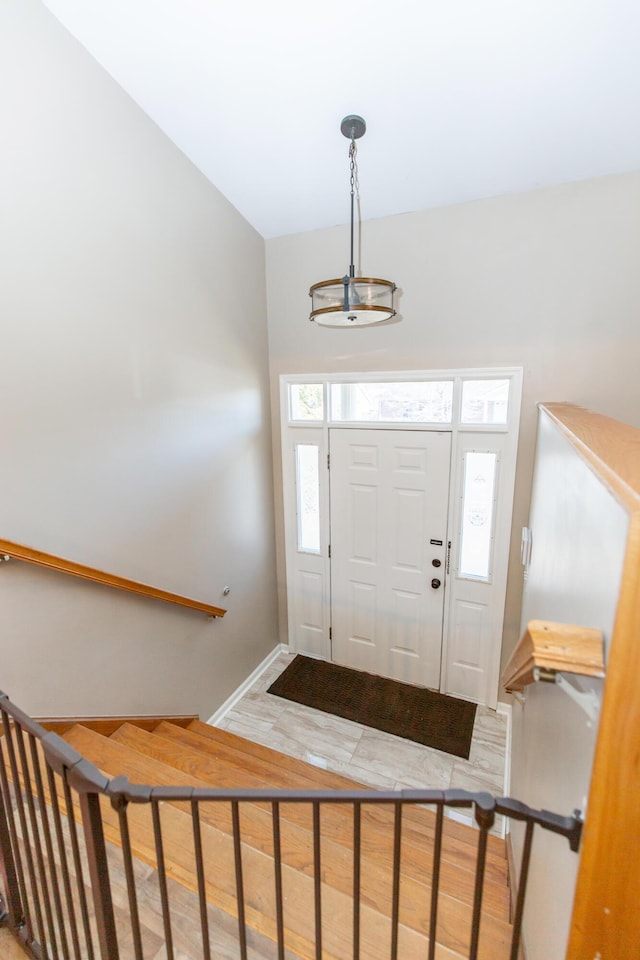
(357, 837)
(202, 893)
(522, 888)
(237, 849)
(10, 860)
(277, 869)
(64, 865)
(77, 863)
(41, 877)
(317, 878)
(162, 879)
(395, 900)
(120, 805)
(30, 874)
(8, 870)
(46, 830)
(484, 814)
(435, 880)
(99, 873)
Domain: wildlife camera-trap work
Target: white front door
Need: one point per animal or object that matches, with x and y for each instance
(389, 493)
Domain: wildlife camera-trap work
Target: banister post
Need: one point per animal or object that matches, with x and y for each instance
(8, 872)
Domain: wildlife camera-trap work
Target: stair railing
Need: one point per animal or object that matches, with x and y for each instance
(17, 551)
(56, 886)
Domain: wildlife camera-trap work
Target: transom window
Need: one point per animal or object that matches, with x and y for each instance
(404, 402)
(472, 402)
(306, 401)
(485, 401)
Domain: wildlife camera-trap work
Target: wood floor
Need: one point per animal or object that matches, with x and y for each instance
(9, 949)
(201, 755)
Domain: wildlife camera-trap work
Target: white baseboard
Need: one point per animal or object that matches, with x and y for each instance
(466, 818)
(505, 710)
(231, 701)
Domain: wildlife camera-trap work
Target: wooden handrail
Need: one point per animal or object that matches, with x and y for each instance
(29, 555)
(611, 448)
(554, 648)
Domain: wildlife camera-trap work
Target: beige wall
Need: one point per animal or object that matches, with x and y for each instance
(579, 538)
(546, 280)
(134, 426)
(133, 382)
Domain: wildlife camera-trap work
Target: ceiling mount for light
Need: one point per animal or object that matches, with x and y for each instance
(352, 301)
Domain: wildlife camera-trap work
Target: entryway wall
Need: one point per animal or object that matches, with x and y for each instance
(545, 280)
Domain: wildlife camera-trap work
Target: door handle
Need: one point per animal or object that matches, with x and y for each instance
(435, 583)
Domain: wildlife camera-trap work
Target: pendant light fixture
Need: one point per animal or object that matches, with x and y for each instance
(352, 301)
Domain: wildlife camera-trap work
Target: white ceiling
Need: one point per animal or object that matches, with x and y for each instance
(463, 98)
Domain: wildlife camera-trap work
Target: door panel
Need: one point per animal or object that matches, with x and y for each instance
(389, 498)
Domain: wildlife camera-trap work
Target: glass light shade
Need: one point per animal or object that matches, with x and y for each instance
(351, 302)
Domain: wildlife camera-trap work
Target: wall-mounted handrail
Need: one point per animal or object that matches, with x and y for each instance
(51, 562)
(546, 648)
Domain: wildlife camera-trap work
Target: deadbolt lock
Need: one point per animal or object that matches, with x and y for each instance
(436, 563)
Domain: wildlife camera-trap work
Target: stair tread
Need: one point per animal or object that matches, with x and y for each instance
(457, 878)
(217, 848)
(324, 778)
(307, 776)
(298, 888)
(419, 823)
(113, 758)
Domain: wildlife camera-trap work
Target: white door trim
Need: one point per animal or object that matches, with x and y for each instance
(464, 436)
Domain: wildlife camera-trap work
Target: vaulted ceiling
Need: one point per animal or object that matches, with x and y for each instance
(463, 99)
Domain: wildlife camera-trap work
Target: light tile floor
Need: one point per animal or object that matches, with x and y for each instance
(373, 758)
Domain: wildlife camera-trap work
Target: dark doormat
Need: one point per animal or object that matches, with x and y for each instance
(414, 713)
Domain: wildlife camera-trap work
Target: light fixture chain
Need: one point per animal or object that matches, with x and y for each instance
(355, 182)
(355, 191)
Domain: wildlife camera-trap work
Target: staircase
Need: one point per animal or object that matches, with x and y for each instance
(203, 756)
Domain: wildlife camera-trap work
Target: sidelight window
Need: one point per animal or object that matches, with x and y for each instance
(308, 495)
(478, 499)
